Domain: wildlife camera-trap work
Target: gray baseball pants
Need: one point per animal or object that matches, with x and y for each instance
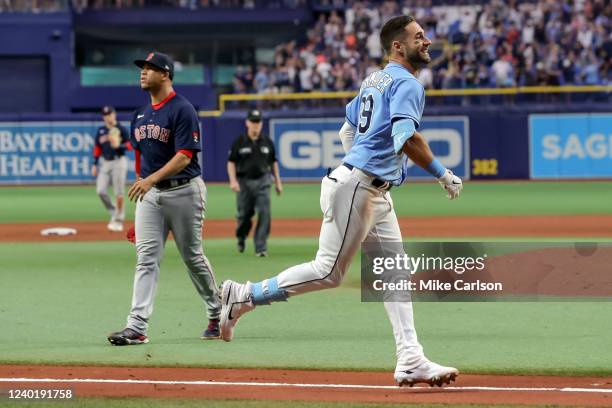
(112, 172)
(254, 195)
(180, 210)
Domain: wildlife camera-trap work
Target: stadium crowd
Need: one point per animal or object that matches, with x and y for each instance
(32, 6)
(496, 44)
(36, 6)
(80, 5)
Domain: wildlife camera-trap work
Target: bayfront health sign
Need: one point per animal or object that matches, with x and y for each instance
(47, 152)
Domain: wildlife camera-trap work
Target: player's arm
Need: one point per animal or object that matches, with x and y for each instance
(231, 173)
(232, 158)
(347, 135)
(349, 128)
(406, 108)
(278, 184)
(125, 138)
(97, 152)
(180, 160)
(414, 145)
(134, 144)
(137, 163)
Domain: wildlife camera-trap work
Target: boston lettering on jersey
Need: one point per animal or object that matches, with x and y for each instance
(161, 130)
(152, 132)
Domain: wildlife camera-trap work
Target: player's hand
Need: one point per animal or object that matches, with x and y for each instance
(451, 183)
(139, 189)
(94, 171)
(235, 186)
(278, 187)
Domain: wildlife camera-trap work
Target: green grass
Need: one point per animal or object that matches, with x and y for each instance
(80, 203)
(58, 301)
(198, 403)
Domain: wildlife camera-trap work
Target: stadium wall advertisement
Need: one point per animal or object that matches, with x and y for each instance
(570, 146)
(41, 152)
(307, 147)
(488, 144)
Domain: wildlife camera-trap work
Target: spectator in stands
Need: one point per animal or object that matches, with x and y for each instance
(80, 5)
(5, 5)
(32, 6)
(498, 43)
(262, 79)
(243, 80)
(590, 72)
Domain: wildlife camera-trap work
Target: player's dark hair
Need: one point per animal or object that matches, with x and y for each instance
(393, 29)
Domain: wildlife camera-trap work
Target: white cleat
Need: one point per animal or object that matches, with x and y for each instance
(115, 226)
(235, 302)
(427, 373)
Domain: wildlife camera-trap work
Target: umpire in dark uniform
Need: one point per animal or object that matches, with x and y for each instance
(251, 168)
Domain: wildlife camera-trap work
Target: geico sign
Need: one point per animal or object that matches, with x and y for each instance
(452, 138)
(308, 149)
(595, 146)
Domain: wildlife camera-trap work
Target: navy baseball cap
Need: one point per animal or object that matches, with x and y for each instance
(107, 110)
(159, 60)
(254, 115)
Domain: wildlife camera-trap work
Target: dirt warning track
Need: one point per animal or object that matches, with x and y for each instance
(254, 384)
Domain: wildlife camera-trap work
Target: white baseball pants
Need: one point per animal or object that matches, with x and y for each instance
(353, 212)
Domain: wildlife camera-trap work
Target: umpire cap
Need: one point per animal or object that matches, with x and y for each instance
(159, 60)
(254, 115)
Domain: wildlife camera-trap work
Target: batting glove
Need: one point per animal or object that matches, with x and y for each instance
(451, 183)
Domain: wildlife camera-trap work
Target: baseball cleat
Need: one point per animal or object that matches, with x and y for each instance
(235, 301)
(115, 226)
(427, 373)
(212, 332)
(127, 337)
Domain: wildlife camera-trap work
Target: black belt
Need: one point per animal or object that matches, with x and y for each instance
(378, 183)
(171, 183)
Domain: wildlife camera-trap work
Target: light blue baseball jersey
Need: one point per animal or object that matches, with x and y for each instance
(384, 97)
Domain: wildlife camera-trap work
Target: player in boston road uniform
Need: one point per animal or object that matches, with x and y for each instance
(112, 140)
(379, 131)
(170, 196)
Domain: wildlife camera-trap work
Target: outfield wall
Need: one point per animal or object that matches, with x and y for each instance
(483, 143)
(496, 142)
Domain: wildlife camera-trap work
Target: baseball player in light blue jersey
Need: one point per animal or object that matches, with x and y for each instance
(379, 135)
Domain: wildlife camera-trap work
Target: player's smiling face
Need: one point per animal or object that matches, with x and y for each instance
(151, 77)
(416, 46)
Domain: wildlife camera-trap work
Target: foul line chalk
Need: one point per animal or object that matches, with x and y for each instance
(296, 385)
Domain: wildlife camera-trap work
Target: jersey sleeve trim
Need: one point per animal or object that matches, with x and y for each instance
(402, 117)
(188, 153)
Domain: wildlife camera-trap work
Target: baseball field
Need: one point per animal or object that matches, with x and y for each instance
(61, 296)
